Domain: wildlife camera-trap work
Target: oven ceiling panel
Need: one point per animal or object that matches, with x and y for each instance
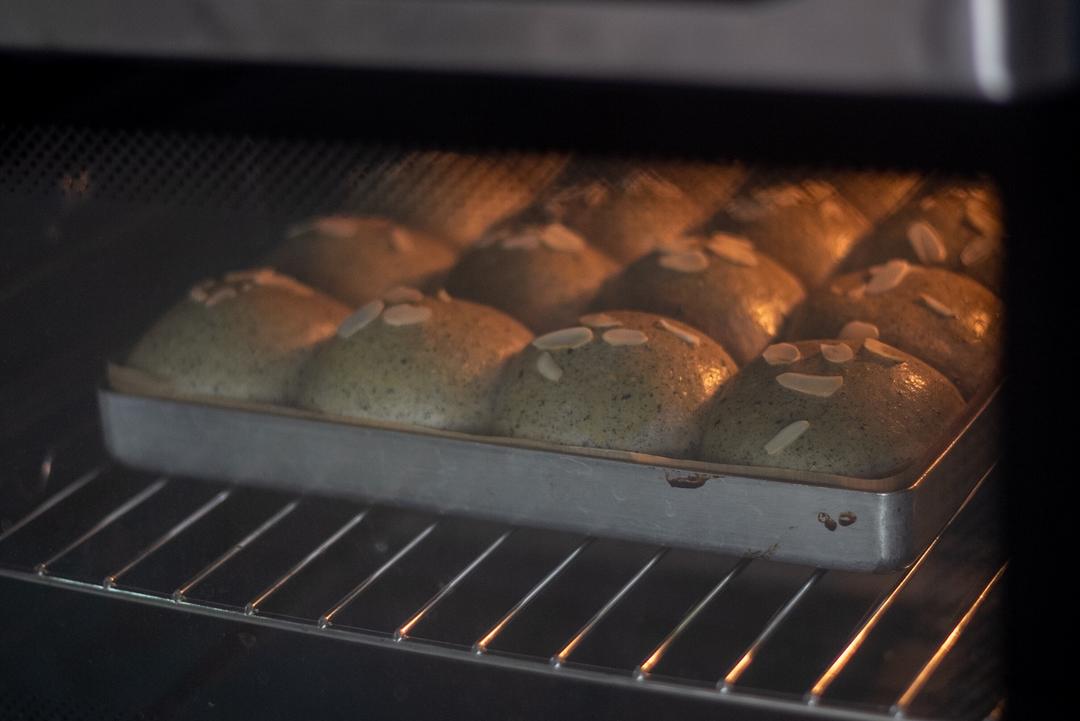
(985, 49)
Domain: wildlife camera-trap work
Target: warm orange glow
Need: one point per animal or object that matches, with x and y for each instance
(483, 643)
(737, 670)
(408, 625)
(841, 661)
(767, 313)
(978, 322)
(946, 645)
(569, 649)
(914, 380)
(650, 663)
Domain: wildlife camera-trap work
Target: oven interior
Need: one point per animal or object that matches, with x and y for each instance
(434, 615)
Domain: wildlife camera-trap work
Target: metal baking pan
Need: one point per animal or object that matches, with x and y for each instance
(828, 521)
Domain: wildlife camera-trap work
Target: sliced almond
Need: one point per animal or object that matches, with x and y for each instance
(267, 277)
(781, 354)
(926, 242)
(884, 278)
(831, 211)
(976, 251)
(402, 294)
(693, 261)
(837, 352)
(928, 202)
(297, 229)
(360, 318)
(836, 289)
(782, 196)
(819, 190)
(599, 320)
(219, 294)
(787, 435)
(883, 350)
(406, 314)
(683, 335)
(733, 248)
(548, 368)
(624, 336)
(937, 306)
(528, 241)
(565, 338)
(980, 217)
(588, 194)
(811, 385)
(558, 237)
(594, 193)
(337, 226)
(857, 330)
(200, 292)
(402, 240)
(442, 295)
(746, 210)
(652, 184)
(857, 292)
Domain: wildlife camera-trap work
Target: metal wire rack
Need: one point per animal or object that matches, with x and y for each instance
(736, 631)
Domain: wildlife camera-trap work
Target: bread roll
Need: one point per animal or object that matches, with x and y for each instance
(542, 274)
(874, 193)
(357, 258)
(244, 337)
(423, 361)
(457, 196)
(806, 226)
(628, 213)
(736, 295)
(624, 380)
(951, 226)
(946, 319)
(854, 408)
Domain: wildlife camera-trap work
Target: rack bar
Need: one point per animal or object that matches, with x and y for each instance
(645, 667)
(178, 594)
(774, 623)
(327, 618)
(998, 712)
(904, 702)
(318, 551)
(481, 646)
(110, 580)
(857, 640)
(403, 631)
(105, 522)
(838, 664)
(53, 500)
(560, 658)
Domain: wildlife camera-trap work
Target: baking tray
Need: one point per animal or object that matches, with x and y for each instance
(827, 521)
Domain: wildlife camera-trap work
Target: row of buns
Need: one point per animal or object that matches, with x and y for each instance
(639, 353)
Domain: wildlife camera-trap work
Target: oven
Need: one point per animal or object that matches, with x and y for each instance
(200, 563)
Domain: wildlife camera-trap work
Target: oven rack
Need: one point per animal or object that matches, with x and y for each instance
(743, 633)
